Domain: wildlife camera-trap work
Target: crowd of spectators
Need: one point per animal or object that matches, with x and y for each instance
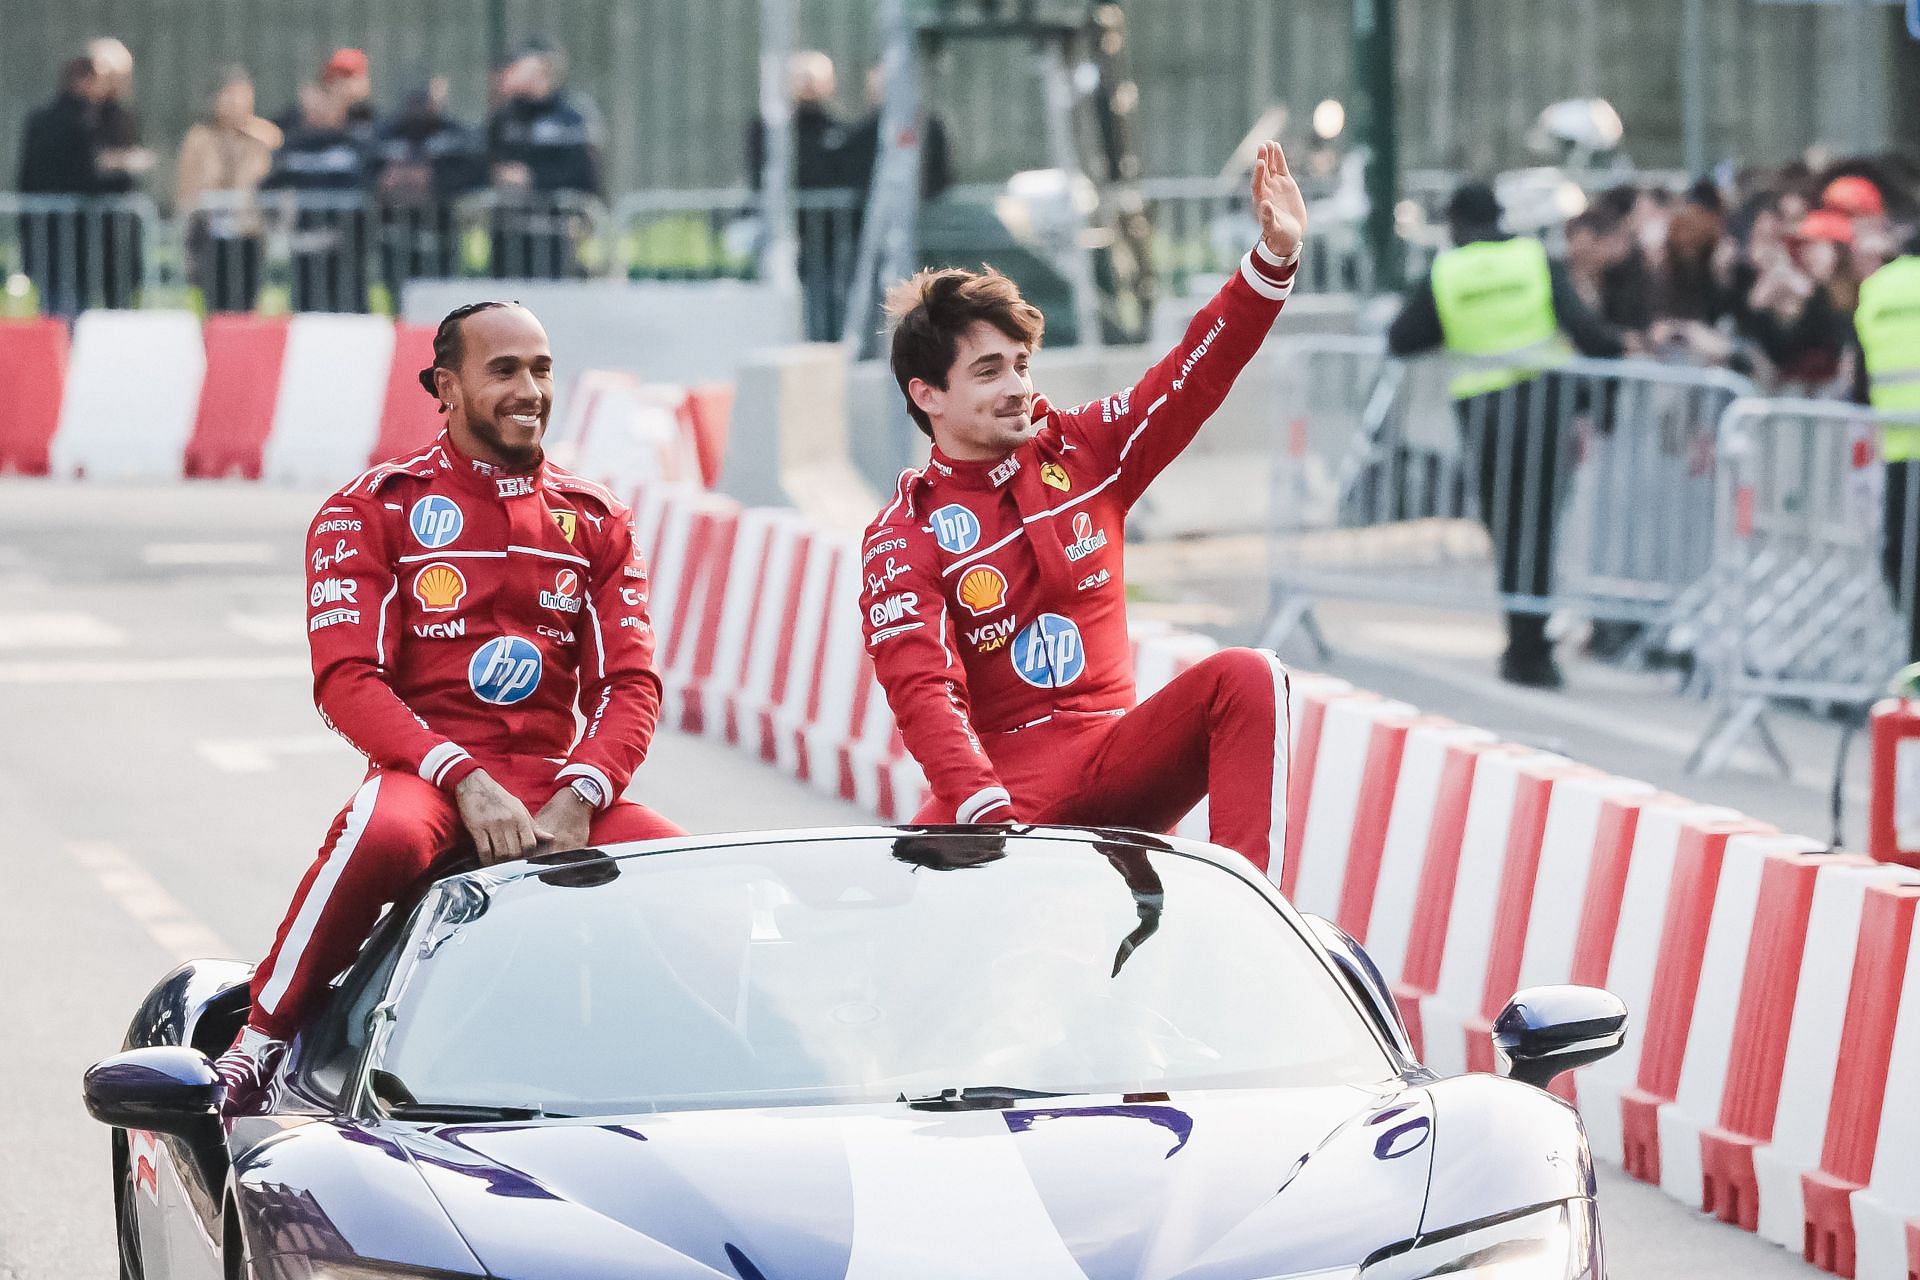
(1759, 273)
(537, 153)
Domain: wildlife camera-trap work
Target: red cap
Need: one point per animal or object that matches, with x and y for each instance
(1854, 196)
(344, 63)
(1826, 224)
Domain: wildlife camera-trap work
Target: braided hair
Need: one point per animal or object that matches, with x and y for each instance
(448, 343)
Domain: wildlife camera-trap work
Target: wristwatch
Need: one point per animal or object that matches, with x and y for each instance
(589, 790)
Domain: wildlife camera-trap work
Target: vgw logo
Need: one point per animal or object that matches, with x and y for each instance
(504, 670)
(956, 529)
(1047, 653)
(435, 521)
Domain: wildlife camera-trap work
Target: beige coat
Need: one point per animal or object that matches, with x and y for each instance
(219, 158)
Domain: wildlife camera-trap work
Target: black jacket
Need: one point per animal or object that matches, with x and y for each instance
(59, 150)
(556, 139)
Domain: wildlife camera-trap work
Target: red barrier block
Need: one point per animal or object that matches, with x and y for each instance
(33, 369)
(1860, 1086)
(408, 420)
(811, 544)
(718, 539)
(237, 399)
(1676, 982)
(1513, 902)
(1378, 778)
(711, 410)
(1730, 1190)
(1427, 936)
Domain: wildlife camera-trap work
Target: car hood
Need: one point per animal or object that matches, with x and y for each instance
(1227, 1185)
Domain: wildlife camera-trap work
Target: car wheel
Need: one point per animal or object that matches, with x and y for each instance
(125, 1210)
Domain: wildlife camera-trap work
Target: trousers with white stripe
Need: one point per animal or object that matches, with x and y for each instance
(1217, 731)
(396, 832)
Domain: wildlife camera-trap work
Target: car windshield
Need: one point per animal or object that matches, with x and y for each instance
(863, 969)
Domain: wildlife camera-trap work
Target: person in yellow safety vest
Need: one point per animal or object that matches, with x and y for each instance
(1886, 326)
(1498, 296)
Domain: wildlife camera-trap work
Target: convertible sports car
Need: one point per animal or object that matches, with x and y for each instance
(866, 1054)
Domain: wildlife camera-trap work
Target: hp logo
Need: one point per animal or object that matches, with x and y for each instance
(504, 670)
(435, 521)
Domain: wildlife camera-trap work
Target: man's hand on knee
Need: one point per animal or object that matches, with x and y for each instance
(563, 822)
(500, 825)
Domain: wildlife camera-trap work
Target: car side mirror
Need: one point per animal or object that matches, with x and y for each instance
(165, 1089)
(1544, 1031)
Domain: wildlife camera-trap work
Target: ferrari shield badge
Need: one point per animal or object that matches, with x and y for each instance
(1056, 475)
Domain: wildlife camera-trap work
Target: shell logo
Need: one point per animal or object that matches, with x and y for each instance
(439, 588)
(983, 589)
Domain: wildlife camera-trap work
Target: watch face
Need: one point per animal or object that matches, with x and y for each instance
(588, 790)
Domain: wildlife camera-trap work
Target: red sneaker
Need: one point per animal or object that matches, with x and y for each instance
(246, 1072)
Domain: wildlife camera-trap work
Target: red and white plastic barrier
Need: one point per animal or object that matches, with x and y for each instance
(1774, 988)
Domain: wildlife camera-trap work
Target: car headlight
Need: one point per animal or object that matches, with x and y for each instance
(1560, 1242)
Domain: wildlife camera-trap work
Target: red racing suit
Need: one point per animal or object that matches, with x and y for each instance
(995, 603)
(456, 616)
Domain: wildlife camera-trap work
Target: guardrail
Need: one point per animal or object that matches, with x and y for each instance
(1817, 558)
(1586, 485)
(62, 255)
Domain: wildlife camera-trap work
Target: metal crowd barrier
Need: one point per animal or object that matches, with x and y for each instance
(1813, 589)
(1202, 226)
(1586, 487)
(349, 251)
(61, 255)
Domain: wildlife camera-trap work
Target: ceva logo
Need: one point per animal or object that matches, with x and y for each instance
(504, 670)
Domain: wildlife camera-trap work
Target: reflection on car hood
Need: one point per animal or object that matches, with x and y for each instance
(1225, 1185)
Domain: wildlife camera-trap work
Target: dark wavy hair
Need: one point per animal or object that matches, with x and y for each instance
(932, 309)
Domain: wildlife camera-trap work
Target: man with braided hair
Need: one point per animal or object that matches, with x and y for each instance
(461, 603)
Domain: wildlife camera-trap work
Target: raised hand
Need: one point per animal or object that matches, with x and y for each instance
(1277, 202)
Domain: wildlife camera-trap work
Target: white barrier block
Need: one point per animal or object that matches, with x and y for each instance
(1346, 738)
(1813, 1048)
(333, 387)
(1636, 952)
(746, 579)
(1723, 965)
(832, 728)
(1409, 827)
(1891, 1198)
(1566, 859)
(131, 395)
(1483, 856)
(667, 562)
(1301, 686)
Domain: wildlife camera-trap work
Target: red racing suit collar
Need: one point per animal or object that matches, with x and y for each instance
(484, 480)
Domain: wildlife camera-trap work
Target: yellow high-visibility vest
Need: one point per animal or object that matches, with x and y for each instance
(1495, 298)
(1888, 322)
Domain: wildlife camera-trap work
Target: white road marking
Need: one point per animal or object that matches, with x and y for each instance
(162, 553)
(58, 631)
(270, 628)
(161, 914)
(154, 670)
(257, 755)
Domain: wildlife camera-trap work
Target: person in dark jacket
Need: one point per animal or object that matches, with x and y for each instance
(59, 155)
(544, 149)
(325, 168)
(1495, 296)
(424, 162)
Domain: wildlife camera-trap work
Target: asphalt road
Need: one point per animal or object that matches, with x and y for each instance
(163, 783)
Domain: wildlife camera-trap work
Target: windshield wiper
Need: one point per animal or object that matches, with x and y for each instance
(397, 1102)
(975, 1097)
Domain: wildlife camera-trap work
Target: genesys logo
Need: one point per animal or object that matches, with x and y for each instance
(439, 588)
(994, 635)
(895, 607)
(505, 670)
(453, 630)
(881, 548)
(337, 526)
(565, 596)
(436, 521)
(1086, 538)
